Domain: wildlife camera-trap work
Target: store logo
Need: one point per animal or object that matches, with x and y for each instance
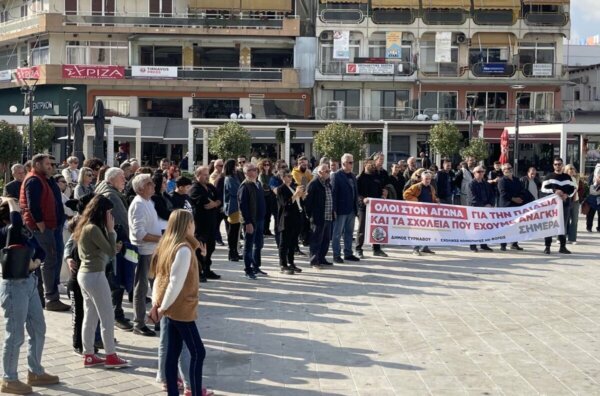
(93, 72)
(379, 234)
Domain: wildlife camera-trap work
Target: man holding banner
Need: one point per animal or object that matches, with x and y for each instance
(422, 192)
(512, 194)
(564, 187)
(480, 195)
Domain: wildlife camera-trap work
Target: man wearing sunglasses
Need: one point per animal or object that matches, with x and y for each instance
(561, 184)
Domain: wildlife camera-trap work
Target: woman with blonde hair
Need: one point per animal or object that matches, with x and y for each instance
(575, 204)
(84, 183)
(175, 295)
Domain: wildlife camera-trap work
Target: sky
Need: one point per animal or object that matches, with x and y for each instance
(585, 18)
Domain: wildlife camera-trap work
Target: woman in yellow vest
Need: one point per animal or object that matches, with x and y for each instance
(175, 296)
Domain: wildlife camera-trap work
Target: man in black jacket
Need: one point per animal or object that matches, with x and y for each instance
(562, 185)
(481, 196)
(444, 181)
(511, 194)
(369, 186)
(205, 204)
(13, 189)
(319, 209)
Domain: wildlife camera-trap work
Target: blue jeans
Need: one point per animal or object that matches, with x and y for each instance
(180, 333)
(253, 244)
(343, 226)
(320, 236)
(22, 308)
(184, 357)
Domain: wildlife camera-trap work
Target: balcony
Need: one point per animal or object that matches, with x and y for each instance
(540, 18)
(353, 11)
(365, 113)
(493, 69)
(226, 73)
(441, 70)
(451, 16)
(509, 116)
(494, 17)
(346, 68)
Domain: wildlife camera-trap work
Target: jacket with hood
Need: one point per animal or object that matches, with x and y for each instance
(119, 210)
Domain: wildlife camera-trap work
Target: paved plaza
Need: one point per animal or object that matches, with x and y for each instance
(511, 323)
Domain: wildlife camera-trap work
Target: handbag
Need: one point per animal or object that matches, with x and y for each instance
(585, 208)
(15, 259)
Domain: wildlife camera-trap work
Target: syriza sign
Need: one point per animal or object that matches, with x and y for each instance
(95, 72)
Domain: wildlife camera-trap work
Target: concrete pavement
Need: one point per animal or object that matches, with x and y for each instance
(452, 323)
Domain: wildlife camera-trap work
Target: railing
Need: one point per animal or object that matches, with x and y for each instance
(544, 70)
(450, 69)
(339, 68)
(225, 73)
(493, 69)
(444, 16)
(404, 16)
(537, 18)
(335, 15)
(241, 20)
(494, 17)
(20, 23)
(488, 116)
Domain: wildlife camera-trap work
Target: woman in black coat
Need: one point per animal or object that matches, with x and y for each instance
(289, 221)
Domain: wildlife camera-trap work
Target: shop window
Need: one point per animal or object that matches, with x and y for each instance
(272, 57)
(216, 57)
(154, 55)
(161, 107)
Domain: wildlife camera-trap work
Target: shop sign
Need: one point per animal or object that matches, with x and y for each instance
(47, 105)
(542, 69)
(154, 71)
(494, 68)
(99, 72)
(28, 73)
(369, 68)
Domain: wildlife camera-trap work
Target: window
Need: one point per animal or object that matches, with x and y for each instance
(160, 107)
(430, 66)
(537, 100)
(536, 53)
(154, 55)
(215, 108)
(103, 7)
(377, 48)
(577, 95)
(439, 100)
(277, 108)
(160, 8)
(40, 52)
(272, 57)
(115, 105)
(390, 105)
(338, 66)
(490, 106)
(97, 53)
(216, 57)
(8, 59)
(350, 99)
(488, 55)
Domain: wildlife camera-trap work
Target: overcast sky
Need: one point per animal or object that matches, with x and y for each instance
(585, 18)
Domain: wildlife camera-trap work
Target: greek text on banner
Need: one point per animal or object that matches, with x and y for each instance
(415, 223)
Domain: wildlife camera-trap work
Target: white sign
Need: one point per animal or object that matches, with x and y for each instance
(370, 68)
(341, 44)
(418, 224)
(542, 69)
(443, 47)
(5, 75)
(154, 71)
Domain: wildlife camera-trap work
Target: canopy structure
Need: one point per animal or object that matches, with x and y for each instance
(398, 4)
(267, 5)
(456, 4)
(497, 4)
(215, 4)
(497, 39)
(540, 2)
(563, 131)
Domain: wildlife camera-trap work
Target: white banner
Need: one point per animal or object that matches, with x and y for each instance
(542, 69)
(443, 47)
(416, 223)
(154, 71)
(5, 75)
(341, 44)
(369, 68)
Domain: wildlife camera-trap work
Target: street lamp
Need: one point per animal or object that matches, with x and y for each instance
(69, 119)
(517, 88)
(470, 102)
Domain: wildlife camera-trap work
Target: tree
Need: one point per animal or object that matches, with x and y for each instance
(336, 139)
(43, 135)
(478, 148)
(230, 140)
(11, 146)
(445, 139)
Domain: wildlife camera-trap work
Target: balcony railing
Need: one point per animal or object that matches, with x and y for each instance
(493, 69)
(536, 18)
(20, 23)
(340, 68)
(450, 69)
(488, 116)
(225, 73)
(494, 17)
(181, 20)
(544, 70)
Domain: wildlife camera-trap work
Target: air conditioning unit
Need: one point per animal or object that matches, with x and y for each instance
(326, 36)
(460, 39)
(335, 110)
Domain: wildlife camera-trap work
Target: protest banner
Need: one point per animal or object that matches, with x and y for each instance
(416, 223)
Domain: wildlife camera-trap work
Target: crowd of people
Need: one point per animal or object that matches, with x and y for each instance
(108, 231)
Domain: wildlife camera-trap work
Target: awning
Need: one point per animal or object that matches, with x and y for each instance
(497, 39)
(496, 4)
(540, 2)
(345, 1)
(394, 4)
(215, 4)
(447, 4)
(267, 5)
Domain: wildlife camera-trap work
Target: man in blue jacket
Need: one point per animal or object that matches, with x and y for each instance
(345, 206)
(480, 195)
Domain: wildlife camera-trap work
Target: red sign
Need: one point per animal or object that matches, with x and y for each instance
(93, 72)
(28, 73)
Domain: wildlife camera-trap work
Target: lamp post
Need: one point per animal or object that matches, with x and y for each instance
(517, 88)
(470, 102)
(28, 91)
(69, 120)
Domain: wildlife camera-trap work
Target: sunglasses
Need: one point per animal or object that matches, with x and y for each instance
(479, 172)
(558, 164)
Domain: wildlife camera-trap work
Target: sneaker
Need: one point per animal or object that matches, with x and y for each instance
(212, 275)
(114, 361)
(15, 387)
(547, 250)
(503, 248)
(57, 306)
(250, 275)
(41, 379)
(380, 253)
(203, 279)
(326, 263)
(416, 253)
(516, 247)
(338, 260)
(427, 250)
(123, 324)
(360, 254)
(287, 270)
(474, 249)
(351, 258)
(259, 272)
(92, 361)
(144, 331)
(78, 351)
(487, 248)
(296, 269)
(564, 250)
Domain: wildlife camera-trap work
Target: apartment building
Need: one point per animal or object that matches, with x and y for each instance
(487, 60)
(159, 61)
